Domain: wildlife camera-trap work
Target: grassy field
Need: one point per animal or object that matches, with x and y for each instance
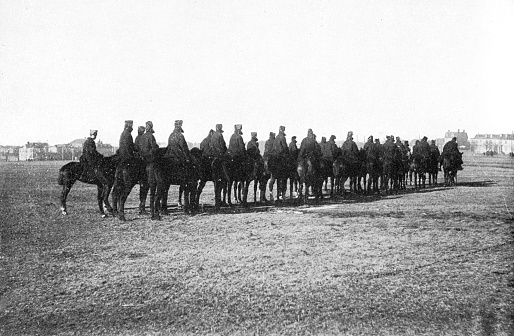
(435, 261)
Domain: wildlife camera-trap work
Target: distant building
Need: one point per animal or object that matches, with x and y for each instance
(499, 143)
(9, 153)
(33, 151)
(462, 138)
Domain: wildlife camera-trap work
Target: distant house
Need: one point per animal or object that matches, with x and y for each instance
(9, 153)
(103, 148)
(462, 138)
(33, 151)
(499, 143)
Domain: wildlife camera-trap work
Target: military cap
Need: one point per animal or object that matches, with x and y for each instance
(178, 123)
(370, 137)
(309, 131)
(350, 133)
(93, 132)
(129, 123)
(323, 138)
(149, 126)
(293, 137)
(238, 126)
(141, 129)
(282, 128)
(272, 134)
(253, 134)
(219, 127)
(332, 137)
(425, 138)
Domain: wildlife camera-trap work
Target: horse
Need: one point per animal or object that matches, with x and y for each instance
(450, 168)
(128, 174)
(281, 168)
(241, 171)
(391, 169)
(170, 172)
(433, 167)
(212, 169)
(102, 176)
(346, 166)
(374, 170)
(308, 179)
(326, 173)
(419, 167)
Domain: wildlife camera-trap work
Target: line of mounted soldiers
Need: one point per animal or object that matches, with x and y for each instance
(145, 146)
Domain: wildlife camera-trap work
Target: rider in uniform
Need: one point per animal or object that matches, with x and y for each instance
(252, 147)
(217, 146)
(148, 149)
(140, 132)
(268, 150)
(177, 146)
(307, 146)
(451, 148)
(205, 142)
(293, 149)
(90, 157)
(126, 149)
(280, 144)
(236, 145)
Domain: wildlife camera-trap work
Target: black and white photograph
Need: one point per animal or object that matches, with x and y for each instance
(257, 167)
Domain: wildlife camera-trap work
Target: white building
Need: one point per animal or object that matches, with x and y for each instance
(499, 143)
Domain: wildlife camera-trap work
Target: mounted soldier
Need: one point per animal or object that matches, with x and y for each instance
(268, 150)
(451, 149)
(177, 146)
(236, 145)
(90, 158)
(252, 147)
(126, 149)
(140, 132)
(205, 142)
(148, 149)
(217, 147)
(332, 148)
(293, 149)
(349, 148)
(280, 144)
(307, 146)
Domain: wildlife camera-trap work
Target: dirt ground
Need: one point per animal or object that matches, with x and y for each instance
(434, 261)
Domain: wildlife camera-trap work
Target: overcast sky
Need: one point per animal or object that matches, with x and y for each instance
(407, 68)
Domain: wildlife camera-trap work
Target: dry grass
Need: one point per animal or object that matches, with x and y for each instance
(437, 261)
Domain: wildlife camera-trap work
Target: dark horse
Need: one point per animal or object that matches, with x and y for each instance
(241, 171)
(129, 174)
(167, 172)
(309, 178)
(450, 168)
(281, 168)
(102, 177)
(212, 169)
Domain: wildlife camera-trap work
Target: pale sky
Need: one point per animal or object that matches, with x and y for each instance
(407, 68)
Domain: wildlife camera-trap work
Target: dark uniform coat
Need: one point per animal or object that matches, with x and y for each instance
(90, 155)
(268, 147)
(236, 145)
(280, 145)
(293, 149)
(148, 147)
(217, 146)
(177, 146)
(127, 147)
(307, 147)
(253, 146)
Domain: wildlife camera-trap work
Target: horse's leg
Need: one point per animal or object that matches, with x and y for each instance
(180, 194)
(64, 195)
(100, 199)
(143, 193)
(164, 199)
(199, 190)
(255, 185)
(270, 187)
(186, 191)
